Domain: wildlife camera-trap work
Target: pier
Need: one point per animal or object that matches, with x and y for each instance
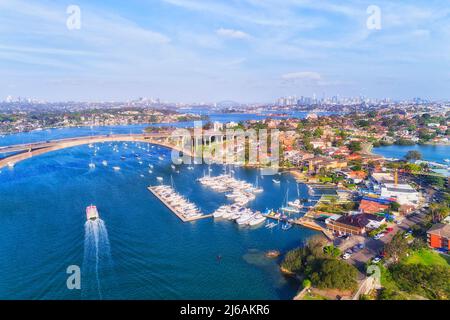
(175, 210)
(307, 223)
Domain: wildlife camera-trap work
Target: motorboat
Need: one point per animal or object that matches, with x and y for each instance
(257, 219)
(91, 213)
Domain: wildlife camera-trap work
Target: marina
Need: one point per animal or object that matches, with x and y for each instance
(181, 207)
(239, 191)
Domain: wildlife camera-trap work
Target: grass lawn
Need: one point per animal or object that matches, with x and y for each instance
(313, 296)
(428, 257)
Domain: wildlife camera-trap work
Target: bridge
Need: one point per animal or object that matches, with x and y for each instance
(22, 152)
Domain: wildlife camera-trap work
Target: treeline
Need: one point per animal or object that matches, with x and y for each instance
(320, 265)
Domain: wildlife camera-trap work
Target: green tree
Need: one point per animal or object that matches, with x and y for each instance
(355, 146)
(396, 248)
(413, 155)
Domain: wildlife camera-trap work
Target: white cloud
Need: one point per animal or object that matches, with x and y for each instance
(231, 33)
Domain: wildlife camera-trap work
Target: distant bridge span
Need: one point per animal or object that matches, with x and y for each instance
(26, 151)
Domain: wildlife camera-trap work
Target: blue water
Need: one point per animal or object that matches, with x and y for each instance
(435, 153)
(144, 250)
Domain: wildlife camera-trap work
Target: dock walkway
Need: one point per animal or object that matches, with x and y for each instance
(175, 211)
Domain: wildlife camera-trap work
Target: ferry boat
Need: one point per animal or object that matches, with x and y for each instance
(91, 213)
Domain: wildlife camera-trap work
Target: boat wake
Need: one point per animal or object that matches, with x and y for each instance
(97, 263)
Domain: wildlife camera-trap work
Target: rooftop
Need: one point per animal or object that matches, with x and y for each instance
(440, 229)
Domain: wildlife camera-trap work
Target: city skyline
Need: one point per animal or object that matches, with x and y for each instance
(246, 51)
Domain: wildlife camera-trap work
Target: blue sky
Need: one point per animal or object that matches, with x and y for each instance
(213, 50)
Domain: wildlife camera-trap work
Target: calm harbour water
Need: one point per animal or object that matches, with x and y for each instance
(151, 254)
(148, 252)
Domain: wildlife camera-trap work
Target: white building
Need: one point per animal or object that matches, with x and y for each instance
(404, 193)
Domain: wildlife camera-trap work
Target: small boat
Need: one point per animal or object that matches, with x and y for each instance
(123, 158)
(290, 209)
(116, 168)
(142, 176)
(296, 204)
(257, 219)
(11, 164)
(286, 226)
(92, 165)
(447, 160)
(190, 168)
(105, 163)
(140, 162)
(150, 171)
(159, 178)
(173, 167)
(150, 166)
(276, 181)
(91, 213)
(161, 158)
(270, 225)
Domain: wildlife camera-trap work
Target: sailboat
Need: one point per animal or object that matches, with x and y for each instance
(257, 189)
(288, 208)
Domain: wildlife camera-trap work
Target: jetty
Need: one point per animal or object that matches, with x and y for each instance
(305, 222)
(176, 209)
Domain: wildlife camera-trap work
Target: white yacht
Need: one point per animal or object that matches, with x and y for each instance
(245, 218)
(256, 219)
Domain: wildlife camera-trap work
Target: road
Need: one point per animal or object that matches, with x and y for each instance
(374, 247)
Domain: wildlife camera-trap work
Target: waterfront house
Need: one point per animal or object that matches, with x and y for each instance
(438, 237)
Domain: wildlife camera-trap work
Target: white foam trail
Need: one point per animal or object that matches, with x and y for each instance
(97, 257)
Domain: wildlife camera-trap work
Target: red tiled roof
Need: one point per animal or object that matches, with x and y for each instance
(368, 206)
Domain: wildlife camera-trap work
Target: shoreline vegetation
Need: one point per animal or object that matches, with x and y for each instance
(317, 265)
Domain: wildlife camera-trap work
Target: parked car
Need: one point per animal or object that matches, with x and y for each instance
(388, 230)
(376, 259)
(361, 245)
(346, 256)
